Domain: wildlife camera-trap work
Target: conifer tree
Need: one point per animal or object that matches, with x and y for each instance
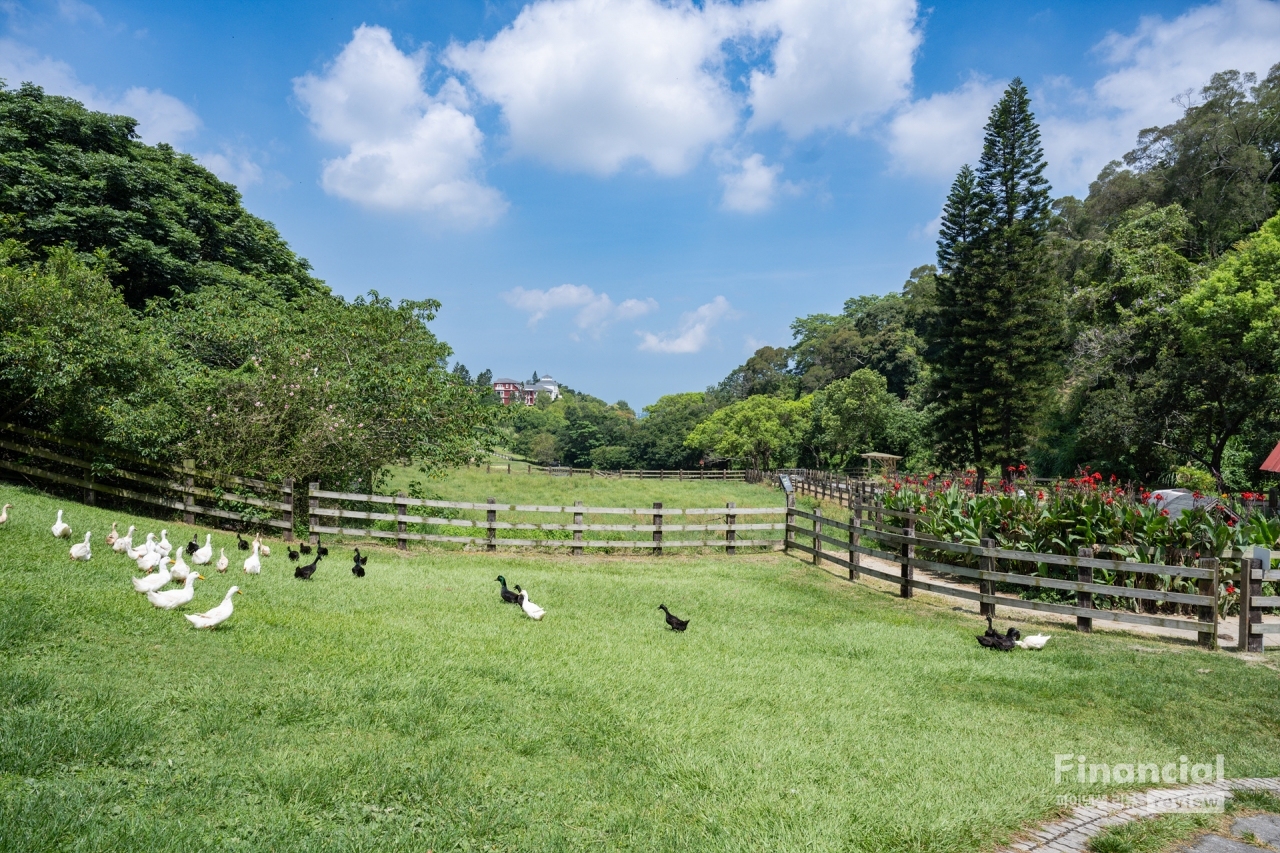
(995, 340)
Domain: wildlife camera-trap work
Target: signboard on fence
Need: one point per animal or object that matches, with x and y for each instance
(785, 479)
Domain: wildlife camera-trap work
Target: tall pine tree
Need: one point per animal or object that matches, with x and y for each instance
(995, 340)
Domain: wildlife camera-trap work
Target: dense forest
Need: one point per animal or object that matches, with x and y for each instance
(1135, 331)
(144, 310)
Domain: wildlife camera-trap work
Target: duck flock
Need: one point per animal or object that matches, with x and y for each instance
(162, 565)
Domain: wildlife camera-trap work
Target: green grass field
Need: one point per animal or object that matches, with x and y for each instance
(412, 710)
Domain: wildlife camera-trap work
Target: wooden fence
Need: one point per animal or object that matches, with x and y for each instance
(867, 534)
(351, 514)
(30, 453)
(514, 467)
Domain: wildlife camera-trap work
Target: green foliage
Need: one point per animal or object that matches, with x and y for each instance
(72, 176)
(762, 430)
(996, 332)
(166, 322)
(848, 416)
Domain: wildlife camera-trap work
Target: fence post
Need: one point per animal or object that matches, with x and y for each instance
(577, 534)
(908, 554)
(855, 539)
(789, 535)
(730, 535)
(987, 587)
(508, 467)
(817, 531)
(313, 520)
(1249, 590)
(286, 492)
(188, 499)
(657, 534)
(401, 527)
(1208, 614)
(491, 516)
(1084, 574)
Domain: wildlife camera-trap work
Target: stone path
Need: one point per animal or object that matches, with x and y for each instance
(1072, 834)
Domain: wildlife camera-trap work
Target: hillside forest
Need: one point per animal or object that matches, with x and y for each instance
(1135, 331)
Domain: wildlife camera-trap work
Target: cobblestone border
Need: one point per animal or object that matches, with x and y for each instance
(1072, 834)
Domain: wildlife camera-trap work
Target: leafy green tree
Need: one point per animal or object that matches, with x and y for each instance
(1220, 161)
(996, 334)
(658, 440)
(69, 175)
(849, 415)
(761, 430)
(460, 371)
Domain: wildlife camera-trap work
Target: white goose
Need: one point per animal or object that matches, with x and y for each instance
(222, 561)
(163, 546)
(60, 528)
(253, 563)
(80, 550)
(125, 543)
(180, 569)
(533, 610)
(150, 560)
(203, 555)
(145, 548)
(151, 583)
(215, 617)
(1035, 642)
(4, 514)
(113, 535)
(169, 599)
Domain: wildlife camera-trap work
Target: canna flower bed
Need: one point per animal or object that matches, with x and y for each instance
(1112, 519)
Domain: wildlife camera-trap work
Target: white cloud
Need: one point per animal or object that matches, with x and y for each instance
(595, 310)
(836, 63)
(161, 117)
(75, 11)
(594, 84)
(934, 136)
(407, 150)
(754, 186)
(1083, 129)
(232, 165)
(1159, 61)
(694, 331)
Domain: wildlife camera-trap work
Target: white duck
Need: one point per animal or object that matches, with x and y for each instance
(61, 529)
(169, 599)
(125, 543)
(80, 550)
(145, 548)
(203, 555)
(533, 610)
(264, 548)
(164, 546)
(151, 583)
(253, 563)
(4, 514)
(113, 535)
(150, 560)
(215, 617)
(180, 569)
(222, 561)
(1034, 642)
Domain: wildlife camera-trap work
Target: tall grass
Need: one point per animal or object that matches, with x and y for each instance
(411, 709)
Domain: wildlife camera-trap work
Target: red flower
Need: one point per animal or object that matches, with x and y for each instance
(1164, 512)
(1231, 589)
(1040, 496)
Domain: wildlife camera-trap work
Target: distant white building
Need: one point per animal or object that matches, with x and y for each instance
(511, 390)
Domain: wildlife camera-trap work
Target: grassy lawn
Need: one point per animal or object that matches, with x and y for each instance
(413, 710)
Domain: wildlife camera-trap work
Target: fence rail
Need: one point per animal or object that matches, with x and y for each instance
(654, 535)
(954, 563)
(514, 467)
(38, 455)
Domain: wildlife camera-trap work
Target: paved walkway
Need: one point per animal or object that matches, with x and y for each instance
(1072, 834)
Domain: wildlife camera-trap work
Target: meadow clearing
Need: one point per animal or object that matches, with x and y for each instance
(411, 709)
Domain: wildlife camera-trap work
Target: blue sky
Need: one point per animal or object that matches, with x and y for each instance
(631, 195)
